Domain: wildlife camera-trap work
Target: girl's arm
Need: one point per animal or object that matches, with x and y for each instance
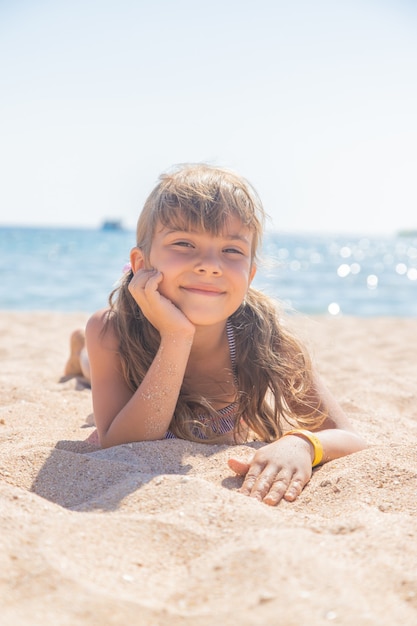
(282, 469)
(337, 435)
(120, 415)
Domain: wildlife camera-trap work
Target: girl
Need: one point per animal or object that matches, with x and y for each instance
(187, 348)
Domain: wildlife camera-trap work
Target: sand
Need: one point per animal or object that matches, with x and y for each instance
(156, 533)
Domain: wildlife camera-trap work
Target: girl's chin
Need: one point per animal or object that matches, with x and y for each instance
(204, 320)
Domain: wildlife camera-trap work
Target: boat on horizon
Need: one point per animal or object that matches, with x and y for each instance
(112, 225)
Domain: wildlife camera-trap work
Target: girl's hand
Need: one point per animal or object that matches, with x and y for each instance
(159, 311)
(278, 470)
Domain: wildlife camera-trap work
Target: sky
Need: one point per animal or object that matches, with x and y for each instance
(315, 102)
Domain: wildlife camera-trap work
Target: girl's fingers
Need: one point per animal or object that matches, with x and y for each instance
(267, 486)
(152, 281)
(252, 471)
(144, 285)
(239, 467)
(276, 493)
(258, 481)
(294, 490)
(258, 478)
(143, 279)
(272, 482)
(280, 489)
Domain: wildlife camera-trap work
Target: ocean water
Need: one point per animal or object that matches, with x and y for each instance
(63, 269)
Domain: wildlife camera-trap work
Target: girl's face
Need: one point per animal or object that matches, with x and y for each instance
(206, 276)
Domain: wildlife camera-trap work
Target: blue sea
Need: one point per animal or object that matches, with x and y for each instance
(65, 269)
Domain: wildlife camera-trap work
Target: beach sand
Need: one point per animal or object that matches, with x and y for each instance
(156, 533)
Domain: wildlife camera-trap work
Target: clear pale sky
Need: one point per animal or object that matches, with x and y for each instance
(314, 101)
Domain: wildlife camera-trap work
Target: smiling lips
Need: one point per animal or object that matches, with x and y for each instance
(205, 290)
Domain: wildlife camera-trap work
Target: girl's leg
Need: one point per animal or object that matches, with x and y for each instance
(77, 364)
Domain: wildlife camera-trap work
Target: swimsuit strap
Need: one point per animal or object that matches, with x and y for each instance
(232, 344)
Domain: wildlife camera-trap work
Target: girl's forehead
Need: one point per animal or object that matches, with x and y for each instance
(232, 226)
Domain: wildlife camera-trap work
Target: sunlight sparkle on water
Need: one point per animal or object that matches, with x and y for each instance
(345, 252)
(343, 270)
(412, 273)
(372, 281)
(333, 308)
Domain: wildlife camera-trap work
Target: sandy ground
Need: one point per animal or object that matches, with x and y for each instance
(156, 533)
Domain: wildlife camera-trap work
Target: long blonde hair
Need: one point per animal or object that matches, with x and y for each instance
(273, 371)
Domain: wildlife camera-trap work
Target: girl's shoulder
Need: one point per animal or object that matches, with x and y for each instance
(100, 318)
(100, 327)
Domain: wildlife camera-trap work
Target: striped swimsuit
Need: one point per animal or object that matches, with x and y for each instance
(226, 421)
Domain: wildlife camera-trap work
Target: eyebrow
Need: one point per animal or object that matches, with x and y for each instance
(236, 237)
(230, 236)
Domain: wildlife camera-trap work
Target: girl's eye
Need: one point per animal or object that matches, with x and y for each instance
(233, 251)
(184, 244)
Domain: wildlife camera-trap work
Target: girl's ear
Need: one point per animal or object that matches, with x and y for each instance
(137, 260)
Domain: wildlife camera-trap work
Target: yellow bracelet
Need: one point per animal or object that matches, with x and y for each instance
(315, 442)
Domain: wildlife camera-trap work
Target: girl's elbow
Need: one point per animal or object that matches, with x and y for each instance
(108, 440)
(104, 440)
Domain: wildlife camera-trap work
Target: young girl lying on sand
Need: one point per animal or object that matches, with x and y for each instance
(188, 349)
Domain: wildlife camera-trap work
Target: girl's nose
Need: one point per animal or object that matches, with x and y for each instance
(208, 264)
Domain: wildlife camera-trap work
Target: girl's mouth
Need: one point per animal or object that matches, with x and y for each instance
(205, 290)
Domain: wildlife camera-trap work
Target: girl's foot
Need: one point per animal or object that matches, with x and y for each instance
(73, 365)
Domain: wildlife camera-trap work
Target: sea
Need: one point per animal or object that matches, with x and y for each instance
(74, 269)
